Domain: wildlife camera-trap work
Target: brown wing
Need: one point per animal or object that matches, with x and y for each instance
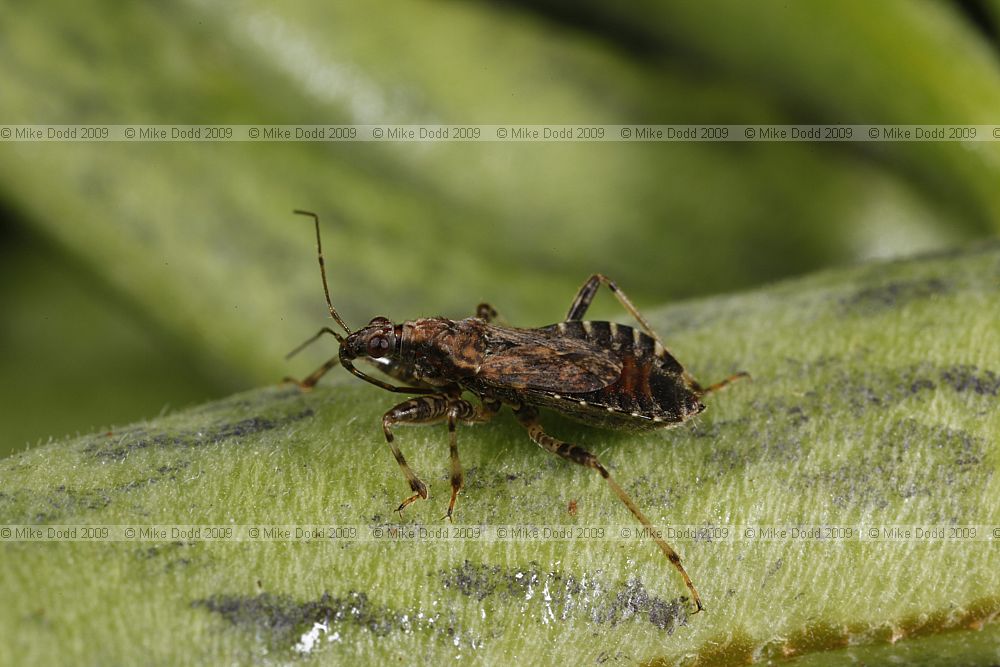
(531, 359)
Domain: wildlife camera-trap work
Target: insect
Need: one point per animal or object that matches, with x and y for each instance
(600, 373)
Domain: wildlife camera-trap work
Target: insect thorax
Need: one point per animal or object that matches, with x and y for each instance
(438, 351)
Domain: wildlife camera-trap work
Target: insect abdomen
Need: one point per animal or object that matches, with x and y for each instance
(651, 391)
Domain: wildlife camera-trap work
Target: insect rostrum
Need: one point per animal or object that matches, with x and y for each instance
(600, 373)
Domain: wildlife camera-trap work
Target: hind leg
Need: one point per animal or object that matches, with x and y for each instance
(528, 417)
(586, 295)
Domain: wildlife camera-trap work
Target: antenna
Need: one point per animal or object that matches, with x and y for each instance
(322, 271)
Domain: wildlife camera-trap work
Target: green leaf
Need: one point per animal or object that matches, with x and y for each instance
(201, 238)
(874, 403)
(858, 62)
(197, 238)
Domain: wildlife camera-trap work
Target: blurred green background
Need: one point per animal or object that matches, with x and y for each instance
(143, 277)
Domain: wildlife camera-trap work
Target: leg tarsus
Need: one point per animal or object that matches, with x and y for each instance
(421, 492)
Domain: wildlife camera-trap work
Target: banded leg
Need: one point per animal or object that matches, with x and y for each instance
(589, 290)
(586, 295)
(464, 411)
(528, 417)
(457, 477)
(428, 410)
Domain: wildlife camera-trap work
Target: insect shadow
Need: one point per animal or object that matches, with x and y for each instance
(602, 374)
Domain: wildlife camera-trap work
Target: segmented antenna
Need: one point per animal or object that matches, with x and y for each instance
(322, 271)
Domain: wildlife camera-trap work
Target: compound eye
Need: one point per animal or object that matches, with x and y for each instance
(378, 346)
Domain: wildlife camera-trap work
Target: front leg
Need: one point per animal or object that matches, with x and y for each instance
(429, 410)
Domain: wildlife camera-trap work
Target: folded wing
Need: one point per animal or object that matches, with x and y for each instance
(522, 360)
